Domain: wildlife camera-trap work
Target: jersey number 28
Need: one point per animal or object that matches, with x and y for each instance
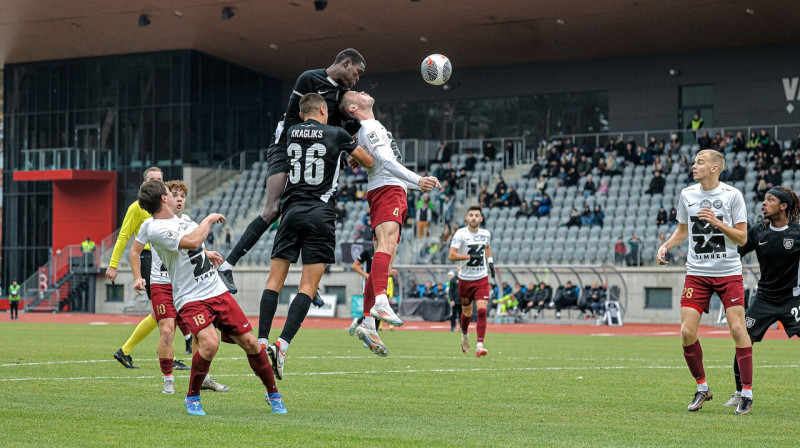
(314, 170)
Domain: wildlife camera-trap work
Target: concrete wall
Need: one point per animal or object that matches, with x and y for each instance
(635, 280)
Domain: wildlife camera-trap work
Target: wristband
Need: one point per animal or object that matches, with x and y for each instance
(489, 260)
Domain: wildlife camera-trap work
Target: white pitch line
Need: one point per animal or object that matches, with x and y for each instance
(371, 372)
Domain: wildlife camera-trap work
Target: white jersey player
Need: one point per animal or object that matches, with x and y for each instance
(471, 247)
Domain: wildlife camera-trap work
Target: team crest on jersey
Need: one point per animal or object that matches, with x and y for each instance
(750, 322)
(788, 243)
(373, 137)
(705, 203)
(717, 204)
(171, 234)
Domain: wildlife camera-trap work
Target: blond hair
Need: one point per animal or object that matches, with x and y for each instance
(715, 157)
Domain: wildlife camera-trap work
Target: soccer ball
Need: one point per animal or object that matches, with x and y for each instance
(436, 69)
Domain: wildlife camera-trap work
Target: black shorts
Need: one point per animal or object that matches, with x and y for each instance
(146, 259)
(310, 227)
(277, 159)
(762, 314)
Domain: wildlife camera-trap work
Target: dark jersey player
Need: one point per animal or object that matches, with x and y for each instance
(777, 246)
(330, 83)
(308, 207)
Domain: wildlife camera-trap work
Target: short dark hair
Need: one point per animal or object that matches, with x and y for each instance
(352, 54)
(150, 195)
(474, 207)
(310, 102)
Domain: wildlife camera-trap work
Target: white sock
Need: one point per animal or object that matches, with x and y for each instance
(284, 344)
(187, 337)
(168, 377)
(207, 378)
(381, 299)
(226, 267)
(369, 322)
(739, 393)
(479, 345)
(747, 393)
(702, 387)
(263, 342)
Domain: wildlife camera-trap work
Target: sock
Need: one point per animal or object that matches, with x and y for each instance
(294, 318)
(369, 294)
(145, 327)
(381, 299)
(260, 365)
(465, 322)
(269, 303)
(251, 235)
(736, 376)
(166, 366)
(379, 271)
(225, 266)
(369, 322)
(744, 357)
(694, 359)
(263, 342)
(283, 345)
(200, 368)
(187, 336)
(481, 325)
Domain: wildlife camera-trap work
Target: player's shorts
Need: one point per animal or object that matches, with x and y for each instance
(146, 259)
(762, 314)
(277, 159)
(388, 203)
(161, 300)
(222, 311)
(472, 290)
(309, 227)
(697, 291)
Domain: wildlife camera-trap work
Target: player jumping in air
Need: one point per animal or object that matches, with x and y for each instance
(161, 290)
(387, 184)
(712, 214)
(331, 83)
(200, 297)
(308, 226)
(777, 246)
(471, 247)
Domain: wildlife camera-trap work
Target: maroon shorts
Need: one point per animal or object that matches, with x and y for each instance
(471, 290)
(388, 203)
(697, 291)
(222, 311)
(161, 299)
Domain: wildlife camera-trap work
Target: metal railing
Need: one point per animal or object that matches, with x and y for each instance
(418, 154)
(65, 159)
(227, 169)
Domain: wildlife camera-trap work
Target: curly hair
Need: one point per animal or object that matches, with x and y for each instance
(792, 210)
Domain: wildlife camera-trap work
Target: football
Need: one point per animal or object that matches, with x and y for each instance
(436, 69)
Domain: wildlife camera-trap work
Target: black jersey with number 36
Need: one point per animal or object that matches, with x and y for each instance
(314, 149)
(778, 253)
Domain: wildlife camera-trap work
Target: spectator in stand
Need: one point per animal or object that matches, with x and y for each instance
(448, 208)
(341, 214)
(704, 140)
(645, 156)
(470, 162)
(760, 190)
(509, 151)
(561, 176)
(535, 171)
(718, 143)
(774, 150)
(658, 165)
(351, 192)
(652, 143)
(763, 138)
(696, 123)
(603, 189)
(512, 198)
(737, 172)
(541, 185)
(499, 199)
(612, 167)
(429, 291)
(619, 252)
(674, 144)
(787, 162)
(572, 177)
(597, 216)
(524, 210)
(589, 187)
(489, 152)
(586, 216)
(228, 239)
(501, 185)
(634, 256)
(584, 166)
(661, 218)
(343, 193)
(545, 205)
(657, 184)
(574, 219)
(364, 231)
(773, 178)
(673, 217)
(739, 144)
(567, 298)
(484, 197)
(752, 142)
(424, 215)
(443, 154)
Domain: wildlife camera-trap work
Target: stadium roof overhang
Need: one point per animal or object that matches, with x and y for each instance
(284, 37)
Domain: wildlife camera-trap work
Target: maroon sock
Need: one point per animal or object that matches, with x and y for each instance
(465, 322)
(200, 368)
(694, 359)
(369, 294)
(481, 325)
(260, 365)
(380, 272)
(182, 326)
(166, 366)
(744, 357)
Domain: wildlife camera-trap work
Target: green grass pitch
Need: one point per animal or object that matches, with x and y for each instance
(59, 386)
